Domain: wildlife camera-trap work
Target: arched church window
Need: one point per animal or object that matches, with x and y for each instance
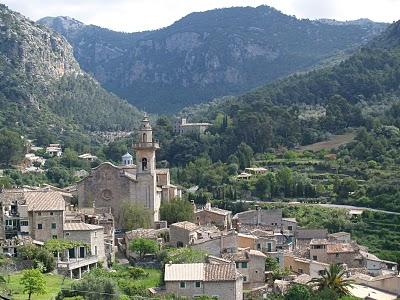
(144, 138)
(144, 164)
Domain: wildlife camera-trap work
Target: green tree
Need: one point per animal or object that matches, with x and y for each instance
(135, 216)
(11, 147)
(176, 210)
(143, 246)
(33, 282)
(298, 292)
(334, 280)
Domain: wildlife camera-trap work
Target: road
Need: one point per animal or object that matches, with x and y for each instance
(349, 207)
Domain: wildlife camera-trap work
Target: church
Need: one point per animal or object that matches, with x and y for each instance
(109, 185)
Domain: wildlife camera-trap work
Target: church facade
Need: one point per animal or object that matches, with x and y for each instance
(109, 185)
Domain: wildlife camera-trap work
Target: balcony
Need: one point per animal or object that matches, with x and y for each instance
(74, 263)
(145, 145)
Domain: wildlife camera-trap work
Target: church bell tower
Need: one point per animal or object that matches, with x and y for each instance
(146, 149)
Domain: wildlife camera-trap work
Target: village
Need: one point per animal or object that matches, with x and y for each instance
(238, 248)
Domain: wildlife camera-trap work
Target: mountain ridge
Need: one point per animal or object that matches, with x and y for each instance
(205, 55)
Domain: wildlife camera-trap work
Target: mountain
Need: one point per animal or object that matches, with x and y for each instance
(306, 108)
(207, 54)
(42, 84)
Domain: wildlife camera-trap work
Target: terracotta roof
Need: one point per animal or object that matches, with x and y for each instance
(186, 225)
(81, 227)
(339, 248)
(44, 200)
(220, 272)
(200, 272)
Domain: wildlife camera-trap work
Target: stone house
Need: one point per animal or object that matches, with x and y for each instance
(250, 264)
(270, 219)
(303, 237)
(377, 266)
(54, 150)
(110, 186)
(329, 252)
(35, 213)
(219, 280)
(300, 265)
(214, 216)
(217, 244)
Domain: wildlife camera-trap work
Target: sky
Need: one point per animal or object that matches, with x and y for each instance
(140, 15)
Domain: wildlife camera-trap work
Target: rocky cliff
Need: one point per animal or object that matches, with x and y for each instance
(41, 82)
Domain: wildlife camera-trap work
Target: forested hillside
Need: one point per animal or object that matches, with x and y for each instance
(204, 55)
(41, 83)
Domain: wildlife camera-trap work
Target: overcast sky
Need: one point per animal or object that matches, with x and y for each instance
(139, 15)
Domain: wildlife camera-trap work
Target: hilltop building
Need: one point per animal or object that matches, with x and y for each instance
(183, 127)
(110, 186)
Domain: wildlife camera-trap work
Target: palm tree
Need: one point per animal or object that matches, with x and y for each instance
(333, 279)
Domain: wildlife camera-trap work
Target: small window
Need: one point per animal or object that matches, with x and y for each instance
(54, 237)
(95, 234)
(244, 278)
(39, 213)
(24, 223)
(40, 226)
(95, 250)
(300, 271)
(258, 246)
(197, 284)
(182, 284)
(67, 233)
(237, 265)
(51, 213)
(290, 227)
(315, 257)
(337, 254)
(244, 265)
(277, 259)
(53, 226)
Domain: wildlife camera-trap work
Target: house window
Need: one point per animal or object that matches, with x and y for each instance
(258, 246)
(315, 257)
(95, 234)
(54, 237)
(290, 227)
(24, 223)
(53, 226)
(337, 254)
(40, 226)
(39, 213)
(95, 250)
(237, 265)
(300, 271)
(244, 265)
(321, 272)
(277, 259)
(67, 234)
(182, 284)
(197, 284)
(244, 278)
(51, 213)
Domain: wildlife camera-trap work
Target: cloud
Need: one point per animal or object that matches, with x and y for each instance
(138, 15)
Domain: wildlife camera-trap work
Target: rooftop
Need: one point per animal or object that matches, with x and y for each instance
(186, 225)
(200, 272)
(44, 200)
(339, 248)
(81, 227)
(311, 233)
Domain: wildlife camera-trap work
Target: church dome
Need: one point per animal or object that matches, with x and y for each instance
(127, 156)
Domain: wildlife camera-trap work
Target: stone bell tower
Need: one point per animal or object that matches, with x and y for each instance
(146, 167)
(146, 148)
